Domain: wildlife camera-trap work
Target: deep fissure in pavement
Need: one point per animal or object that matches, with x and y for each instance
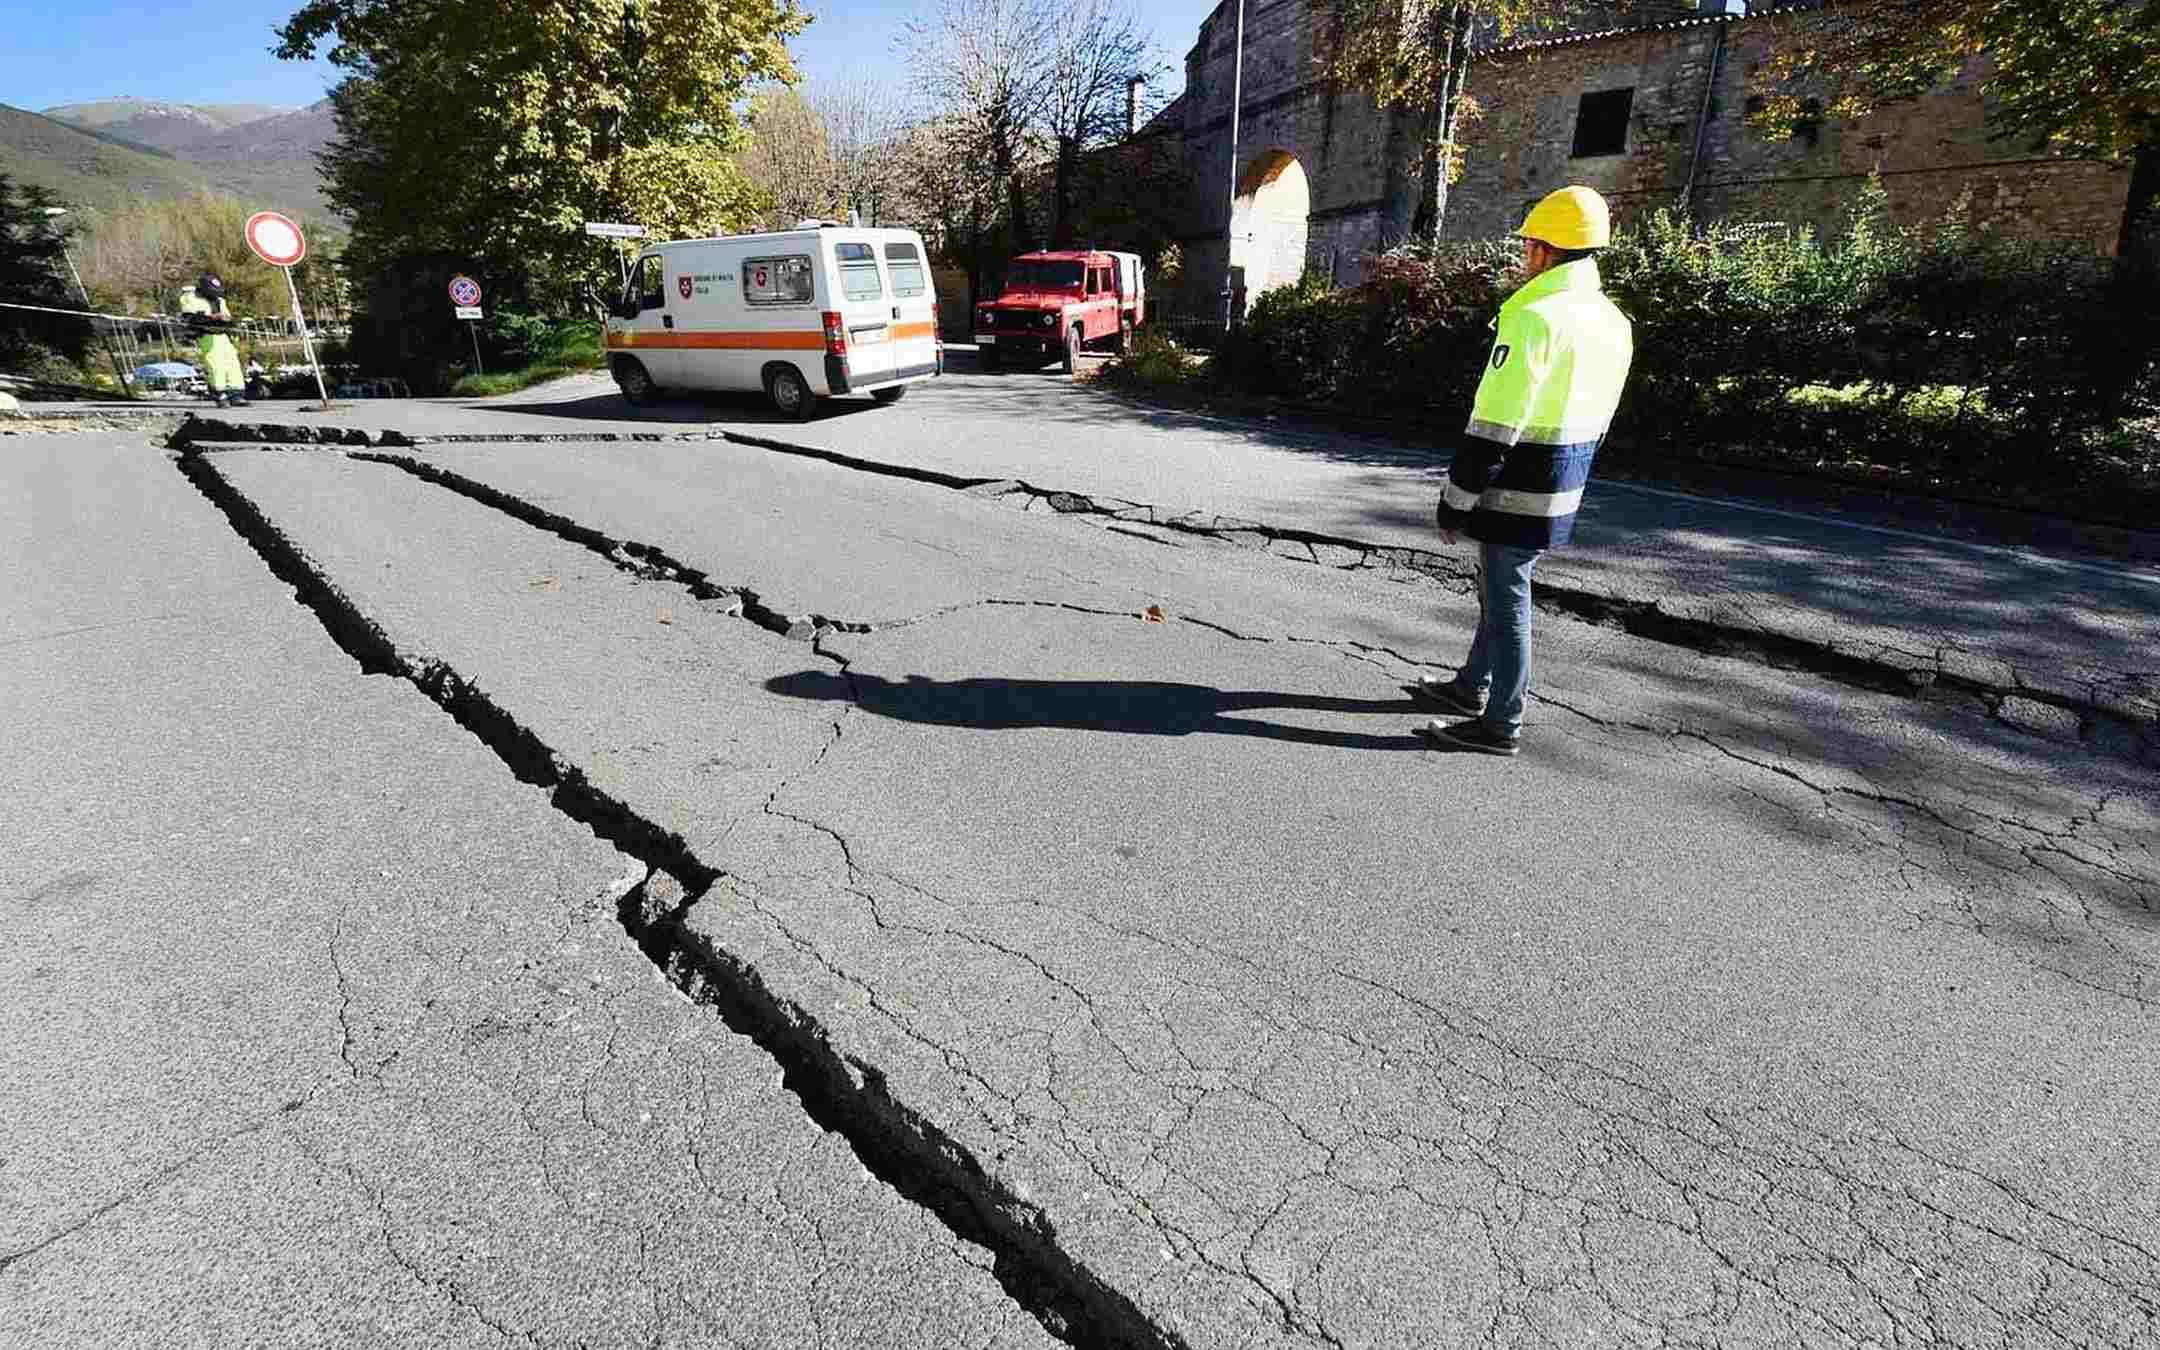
(1646, 619)
(639, 559)
(842, 1095)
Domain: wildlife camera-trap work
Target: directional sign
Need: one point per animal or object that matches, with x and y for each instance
(601, 229)
(471, 312)
(275, 239)
(464, 292)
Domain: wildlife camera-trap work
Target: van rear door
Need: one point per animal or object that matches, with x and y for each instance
(867, 311)
(915, 317)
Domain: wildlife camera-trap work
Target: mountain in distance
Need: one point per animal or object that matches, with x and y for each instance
(285, 136)
(82, 168)
(103, 152)
(158, 124)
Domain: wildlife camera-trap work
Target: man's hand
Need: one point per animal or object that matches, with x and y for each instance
(1443, 521)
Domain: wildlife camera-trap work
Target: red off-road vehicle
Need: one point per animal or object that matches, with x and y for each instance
(1053, 306)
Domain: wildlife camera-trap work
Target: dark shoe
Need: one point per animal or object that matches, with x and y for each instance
(217, 400)
(236, 402)
(1475, 734)
(1448, 696)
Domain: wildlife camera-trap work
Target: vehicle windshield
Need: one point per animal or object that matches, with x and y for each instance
(1039, 274)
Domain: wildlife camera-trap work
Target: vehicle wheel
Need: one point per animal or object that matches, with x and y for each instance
(1124, 336)
(790, 394)
(637, 386)
(1072, 349)
(990, 358)
(889, 396)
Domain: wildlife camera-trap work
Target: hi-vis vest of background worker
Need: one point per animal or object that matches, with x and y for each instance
(1560, 355)
(205, 306)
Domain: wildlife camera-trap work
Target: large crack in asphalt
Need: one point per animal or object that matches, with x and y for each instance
(2098, 727)
(840, 1093)
(650, 562)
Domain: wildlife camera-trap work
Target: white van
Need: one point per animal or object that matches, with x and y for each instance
(804, 314)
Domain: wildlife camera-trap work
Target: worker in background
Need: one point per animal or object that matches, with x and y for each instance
(207, 315)
(1560, 355)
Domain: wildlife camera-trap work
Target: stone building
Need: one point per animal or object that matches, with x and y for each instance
(1654, 114)
(1650, 108)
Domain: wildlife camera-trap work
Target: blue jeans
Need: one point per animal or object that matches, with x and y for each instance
(1499, 662)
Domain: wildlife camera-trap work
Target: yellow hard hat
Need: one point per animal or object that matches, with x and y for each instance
(1572, 218)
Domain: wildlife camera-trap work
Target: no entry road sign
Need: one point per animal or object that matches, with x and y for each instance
(464, 292)
(275, 239)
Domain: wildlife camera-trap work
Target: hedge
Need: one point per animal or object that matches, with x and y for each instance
(1937, 354)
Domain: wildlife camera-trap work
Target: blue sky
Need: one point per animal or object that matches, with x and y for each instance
(218, 51)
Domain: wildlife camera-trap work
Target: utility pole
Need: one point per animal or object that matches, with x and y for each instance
(52, 214)
(1237, 99)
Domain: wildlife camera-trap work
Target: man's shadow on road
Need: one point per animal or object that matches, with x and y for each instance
(1132, 707)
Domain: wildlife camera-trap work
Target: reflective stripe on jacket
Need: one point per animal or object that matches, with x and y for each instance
(1560, 355)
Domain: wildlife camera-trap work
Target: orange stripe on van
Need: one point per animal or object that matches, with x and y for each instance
(901, 332)
(719, 341)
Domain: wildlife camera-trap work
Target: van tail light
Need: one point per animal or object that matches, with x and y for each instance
(835, 334)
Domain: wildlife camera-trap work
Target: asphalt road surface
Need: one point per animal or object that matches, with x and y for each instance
(1072, 939)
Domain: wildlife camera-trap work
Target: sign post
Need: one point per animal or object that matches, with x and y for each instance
(278, 242)
(606, 229)
(465, 298)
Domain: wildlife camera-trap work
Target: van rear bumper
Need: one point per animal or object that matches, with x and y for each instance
(904, 375)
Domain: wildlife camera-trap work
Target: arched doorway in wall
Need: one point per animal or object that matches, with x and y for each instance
(1269, 221)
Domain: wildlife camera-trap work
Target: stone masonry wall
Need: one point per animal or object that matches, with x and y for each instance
(1361, 162)
(1354, 154)
(1929, 152)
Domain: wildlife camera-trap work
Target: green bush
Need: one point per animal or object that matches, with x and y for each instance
(1936, 353)
(513, 341)
(1156, 358)
(1414, 333)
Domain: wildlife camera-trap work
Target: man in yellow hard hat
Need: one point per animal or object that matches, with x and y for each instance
(1559, 357)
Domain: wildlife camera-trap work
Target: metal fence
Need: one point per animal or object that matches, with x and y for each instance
(1192, 327)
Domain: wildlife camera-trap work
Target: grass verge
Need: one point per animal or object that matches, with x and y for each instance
(510, 381)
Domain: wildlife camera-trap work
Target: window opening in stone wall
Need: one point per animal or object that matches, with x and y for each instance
(1601, 123)
(1808, 126)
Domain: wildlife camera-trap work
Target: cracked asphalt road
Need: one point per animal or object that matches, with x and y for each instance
(321, 1028)
(2079, 630)
(1091, 885)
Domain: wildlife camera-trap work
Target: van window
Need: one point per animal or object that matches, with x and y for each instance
(908, 278)
(859, 277)
(778, 281)
(650, 288)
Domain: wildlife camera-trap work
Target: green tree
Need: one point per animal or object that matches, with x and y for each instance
(2080, 75)
(139, 254)
(33, 268)
(33, 246)
(481, 136)
(1416, 54)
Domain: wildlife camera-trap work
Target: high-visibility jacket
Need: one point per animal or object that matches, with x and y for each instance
(221, 360)
(1561, 351)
